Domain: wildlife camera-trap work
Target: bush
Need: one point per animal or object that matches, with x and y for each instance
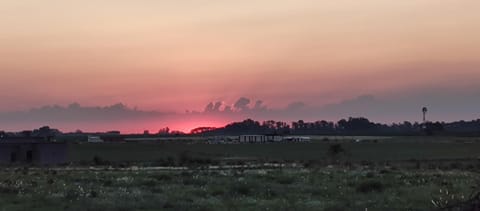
(93, 194)
(97, 160)
(107, 182)
(370, 186)
(370, 175)
(50, 181)
(148, 183)
(335, 149)
(241, 189)
(336, 207)
(8, 190)
(285, 180)
(217, 191)
(195, 181)
(162, 177)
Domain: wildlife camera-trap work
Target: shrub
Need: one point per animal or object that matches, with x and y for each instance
(241, 188)
(97, 160)
(385, 171)
(50, 181)
(217, 191)
(71, 194)
(168, 205)
(285, 179)
(8, 190)
(184, 158)
(309, 163)
(335, 150)
(108, 182)
(93, 194)
(195, 181)
(162, 177)
(456, 165)
(148, 183)
(370, 175)
(370, 186)
(336, 207)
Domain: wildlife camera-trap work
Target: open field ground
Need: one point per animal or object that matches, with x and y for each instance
(389, 173)
(256, 189)
(372, 150)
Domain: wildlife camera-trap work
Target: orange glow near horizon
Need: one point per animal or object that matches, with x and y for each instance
(181, 124)
(188, 126)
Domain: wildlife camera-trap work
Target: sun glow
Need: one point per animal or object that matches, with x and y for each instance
(188, 126)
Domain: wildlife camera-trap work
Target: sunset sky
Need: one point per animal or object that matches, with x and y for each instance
(172, 56)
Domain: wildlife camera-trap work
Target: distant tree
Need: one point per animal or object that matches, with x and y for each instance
(164, 131)
(202, 130)
(433, 128)
(26, 133)
(342, 124)
(350, 126)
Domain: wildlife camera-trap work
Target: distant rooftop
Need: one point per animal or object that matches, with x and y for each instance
(24, 140)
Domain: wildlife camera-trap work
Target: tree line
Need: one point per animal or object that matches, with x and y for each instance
(350, 126)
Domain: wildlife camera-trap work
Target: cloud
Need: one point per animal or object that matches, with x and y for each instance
(213, 107)
(259, 106)
(243, 108)
(75, 115)
(442, 107)
(295, 106)
(76, 112)
(242, 104)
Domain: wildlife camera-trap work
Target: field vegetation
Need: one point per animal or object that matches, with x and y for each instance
(375, 173)
(331, 188)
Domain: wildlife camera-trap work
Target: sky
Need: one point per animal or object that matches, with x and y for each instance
(165, 61)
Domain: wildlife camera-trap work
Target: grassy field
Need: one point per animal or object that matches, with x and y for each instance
(390, 149)
(258, 189)
(378, 173)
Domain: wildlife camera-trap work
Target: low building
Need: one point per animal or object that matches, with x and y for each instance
(296, 139)
(274, 138)
(32, 151)
(219, 140)
(259, 138)
(94, 139)
(252, 139)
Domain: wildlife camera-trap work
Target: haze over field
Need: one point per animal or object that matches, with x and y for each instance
(282, 60)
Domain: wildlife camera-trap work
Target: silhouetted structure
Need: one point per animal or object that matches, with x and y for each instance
(32, 150)
(424, 111)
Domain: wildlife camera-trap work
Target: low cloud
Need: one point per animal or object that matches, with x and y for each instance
(242, 104)
(75, 116)
(75, 112)
(295, 106)
(121, 117)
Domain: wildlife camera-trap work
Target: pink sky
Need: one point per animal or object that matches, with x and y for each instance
(180, 55)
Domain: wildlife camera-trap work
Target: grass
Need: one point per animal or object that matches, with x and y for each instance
(164, 152)
(280, 189)
(397, 173)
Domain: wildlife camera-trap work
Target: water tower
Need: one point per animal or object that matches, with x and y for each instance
(424, 110)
